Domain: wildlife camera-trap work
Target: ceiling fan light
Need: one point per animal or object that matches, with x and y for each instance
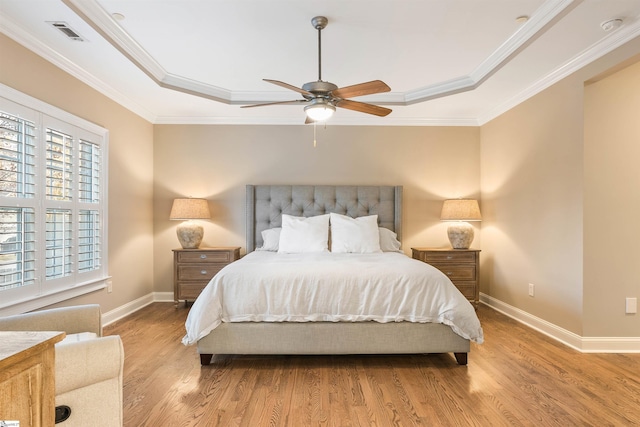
(319, 112)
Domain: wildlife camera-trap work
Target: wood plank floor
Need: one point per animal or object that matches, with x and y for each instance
(518, 377)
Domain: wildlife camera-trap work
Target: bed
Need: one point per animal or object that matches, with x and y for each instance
(238, 325)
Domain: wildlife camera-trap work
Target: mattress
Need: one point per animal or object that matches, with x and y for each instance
(330, 287)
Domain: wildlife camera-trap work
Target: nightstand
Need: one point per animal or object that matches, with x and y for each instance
(194, 268)
(462, 266)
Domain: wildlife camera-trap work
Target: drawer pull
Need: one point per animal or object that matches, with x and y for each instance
(449, 257)
(203, 256)
(203, 272)
(449, 273)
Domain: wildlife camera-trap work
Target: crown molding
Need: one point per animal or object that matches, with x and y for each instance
(36, 46)
(545, 14)
(101, 21)
(299, 120)
(596, 51)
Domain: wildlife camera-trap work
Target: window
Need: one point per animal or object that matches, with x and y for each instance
(53, 204)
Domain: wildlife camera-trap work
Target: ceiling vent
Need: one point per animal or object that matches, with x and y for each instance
(65, 29)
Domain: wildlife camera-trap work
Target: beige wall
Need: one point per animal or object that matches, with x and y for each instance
(534, 169)
(545, 174)
(531, 172)
(612, 203)
(216, 162)
(130, 169)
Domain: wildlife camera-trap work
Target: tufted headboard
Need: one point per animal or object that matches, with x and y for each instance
(266, 204)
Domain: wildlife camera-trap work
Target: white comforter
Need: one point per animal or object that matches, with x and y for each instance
(383, 287)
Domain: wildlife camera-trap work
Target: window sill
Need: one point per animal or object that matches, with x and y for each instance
(44, 300)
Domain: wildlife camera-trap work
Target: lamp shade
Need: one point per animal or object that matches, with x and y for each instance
(460, 210)
(190, 209)
(189, 232)
(460, 233)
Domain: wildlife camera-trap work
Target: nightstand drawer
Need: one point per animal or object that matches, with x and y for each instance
(448, 256)
(189, 291)
(198, 272)
(468, 290)
(193, 269)
(457, 272)
(205, 256)
(461, 266)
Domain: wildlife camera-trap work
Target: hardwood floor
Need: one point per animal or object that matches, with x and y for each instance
(518, 377)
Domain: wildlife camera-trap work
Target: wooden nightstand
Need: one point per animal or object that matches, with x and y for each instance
(194, 268)
(462, 266)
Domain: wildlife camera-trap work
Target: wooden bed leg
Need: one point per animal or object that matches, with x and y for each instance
(460, 357)
(205, 359)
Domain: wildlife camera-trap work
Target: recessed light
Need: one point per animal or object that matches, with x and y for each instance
(611, 24)
(522, 19)
(117, 16)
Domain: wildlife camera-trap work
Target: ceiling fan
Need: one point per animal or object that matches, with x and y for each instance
(321, 98)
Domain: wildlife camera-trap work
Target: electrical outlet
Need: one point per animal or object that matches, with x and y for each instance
(631, 306)
(109, 286)
(532, 289)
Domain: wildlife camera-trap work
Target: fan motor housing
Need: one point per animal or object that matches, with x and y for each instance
(319, 88)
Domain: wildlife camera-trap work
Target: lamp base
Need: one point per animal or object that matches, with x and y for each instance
(189, 234)
(460, 235)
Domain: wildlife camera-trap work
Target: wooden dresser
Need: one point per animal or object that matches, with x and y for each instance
(462, 266)
(194, 268)
(27, 372)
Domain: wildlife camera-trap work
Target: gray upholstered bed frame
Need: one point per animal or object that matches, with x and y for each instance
(265, 206)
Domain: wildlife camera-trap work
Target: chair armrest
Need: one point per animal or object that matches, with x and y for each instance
(82, 363)
(72, 320)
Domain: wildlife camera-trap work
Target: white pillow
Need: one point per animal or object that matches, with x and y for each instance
(389, 240)
(354, 235)
(270, 239)
(301, 234)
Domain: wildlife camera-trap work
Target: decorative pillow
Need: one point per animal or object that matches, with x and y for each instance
(270, 239)
(389, 240)
(301, 234)
(354, 235)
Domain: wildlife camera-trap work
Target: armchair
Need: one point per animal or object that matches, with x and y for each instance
(88, 372)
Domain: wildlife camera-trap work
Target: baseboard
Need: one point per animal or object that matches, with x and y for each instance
(127, 309)
(135, 305)
(575, 341)
(163, 297)
(568, 338)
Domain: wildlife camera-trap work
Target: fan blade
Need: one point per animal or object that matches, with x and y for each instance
(308, 120)
(363, 107)
(361, 89)
(288, 86)
(297, 101)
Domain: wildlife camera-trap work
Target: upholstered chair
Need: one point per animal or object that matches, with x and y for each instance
(88, 366)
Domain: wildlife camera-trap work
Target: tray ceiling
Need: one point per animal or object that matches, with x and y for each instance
(448, 62)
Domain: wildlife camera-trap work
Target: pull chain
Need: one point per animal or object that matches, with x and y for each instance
(314, 135)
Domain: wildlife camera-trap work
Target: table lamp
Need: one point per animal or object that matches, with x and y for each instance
(189, 232)
(460, 232)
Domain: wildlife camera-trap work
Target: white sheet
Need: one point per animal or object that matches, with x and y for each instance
(383, 287)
